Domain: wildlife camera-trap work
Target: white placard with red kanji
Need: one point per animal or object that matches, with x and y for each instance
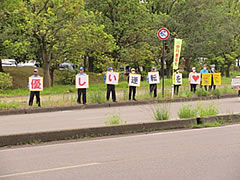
(112, 78)
(195, 78)
(153, 77)
(134, 80)
(82, 81)
(35, 84)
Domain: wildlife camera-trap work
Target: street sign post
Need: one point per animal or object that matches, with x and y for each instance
(163, 34)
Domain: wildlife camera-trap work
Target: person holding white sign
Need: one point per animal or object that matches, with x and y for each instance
(194, 79)
(132, 80)
(177, 81)
(81, 86)
(33, 86)
(111, 79)
(153, 79)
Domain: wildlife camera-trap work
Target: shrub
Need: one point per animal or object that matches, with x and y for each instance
(160, 112)
(65, 77)
(210, 110)
(202, 92)
(5, 80)
(187, 112)
(217, 93)
(97, 97)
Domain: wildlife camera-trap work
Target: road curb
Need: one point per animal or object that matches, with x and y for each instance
(39, 137)
(105, 105)
(27, 138)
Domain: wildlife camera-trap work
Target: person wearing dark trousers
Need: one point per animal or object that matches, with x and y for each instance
(110, 87)
(132, 89)
(176, 86)
(193, 87)
(204, 70)
(34, 93)
(82, 91)
(212, 71)
(153, 87)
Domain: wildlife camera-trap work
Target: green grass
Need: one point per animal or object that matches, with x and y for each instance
(213, 124)
(187, 111)
(160, 112)
(210, 110)
(9, 105)
(113, 119)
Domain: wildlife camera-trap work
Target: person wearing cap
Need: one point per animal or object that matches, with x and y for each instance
(204, 70)
(110, 87)
(193, 87)
(212, 71)
(82, 91)
(176, 86)
(34, 93)
(132, 89)
(153, 87)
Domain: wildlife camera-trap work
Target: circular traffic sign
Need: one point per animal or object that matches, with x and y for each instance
(163, 33)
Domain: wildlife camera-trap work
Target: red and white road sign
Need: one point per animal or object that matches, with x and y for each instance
(163, 33)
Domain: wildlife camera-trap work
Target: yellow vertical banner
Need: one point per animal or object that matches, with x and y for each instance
(206, 79)
(177, 52)
(217, 79)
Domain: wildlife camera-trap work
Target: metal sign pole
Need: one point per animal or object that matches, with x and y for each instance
(162, 63)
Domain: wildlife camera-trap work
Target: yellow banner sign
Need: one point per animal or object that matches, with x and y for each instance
(217, 79)
(206, 79)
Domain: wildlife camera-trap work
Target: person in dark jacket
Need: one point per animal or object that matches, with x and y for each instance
(153, 87)
(132, 89)
(34, 93)
(110, 87)
(82, 91)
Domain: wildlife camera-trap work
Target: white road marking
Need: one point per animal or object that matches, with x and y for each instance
(48, 170)
(122, 137)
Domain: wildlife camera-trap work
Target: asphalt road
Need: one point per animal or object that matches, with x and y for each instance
(17, 124)
(198, 154)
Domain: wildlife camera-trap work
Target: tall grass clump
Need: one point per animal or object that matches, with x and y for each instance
(97, 97)
(160, 112)
(201, 92)
(113, 119)
(9, 105)
(187, 111)
(209, 110)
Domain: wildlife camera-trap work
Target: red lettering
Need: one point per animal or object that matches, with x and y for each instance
(81, 84)
(36, 84)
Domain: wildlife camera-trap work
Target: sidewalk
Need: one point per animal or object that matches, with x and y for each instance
(64, 120)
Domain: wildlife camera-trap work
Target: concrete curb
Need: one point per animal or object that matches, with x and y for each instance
(38, 137)
(93, 106)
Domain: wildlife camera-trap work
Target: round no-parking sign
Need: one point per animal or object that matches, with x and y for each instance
(163, 34)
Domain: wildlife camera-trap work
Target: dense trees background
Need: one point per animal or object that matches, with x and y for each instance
(101, 33)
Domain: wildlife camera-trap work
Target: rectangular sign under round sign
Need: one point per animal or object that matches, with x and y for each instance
(35, 84)
(82, 81)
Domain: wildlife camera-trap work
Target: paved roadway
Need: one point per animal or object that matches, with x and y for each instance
(198, 154)
(16, 124)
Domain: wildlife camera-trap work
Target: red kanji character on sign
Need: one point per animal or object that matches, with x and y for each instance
(36, 84)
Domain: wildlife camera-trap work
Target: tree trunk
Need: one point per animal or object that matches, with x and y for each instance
(90, 64)
(1, 68)
(228, 70)
(168, 68)
(85, 62)
(187, 65)
(46, 72)
(52, 76)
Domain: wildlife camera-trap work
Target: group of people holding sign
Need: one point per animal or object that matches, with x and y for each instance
(204, 78)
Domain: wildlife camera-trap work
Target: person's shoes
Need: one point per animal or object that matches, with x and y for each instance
(129, 99)
(134, 99)
(79, 102)
(115, 101)
(84, 103)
